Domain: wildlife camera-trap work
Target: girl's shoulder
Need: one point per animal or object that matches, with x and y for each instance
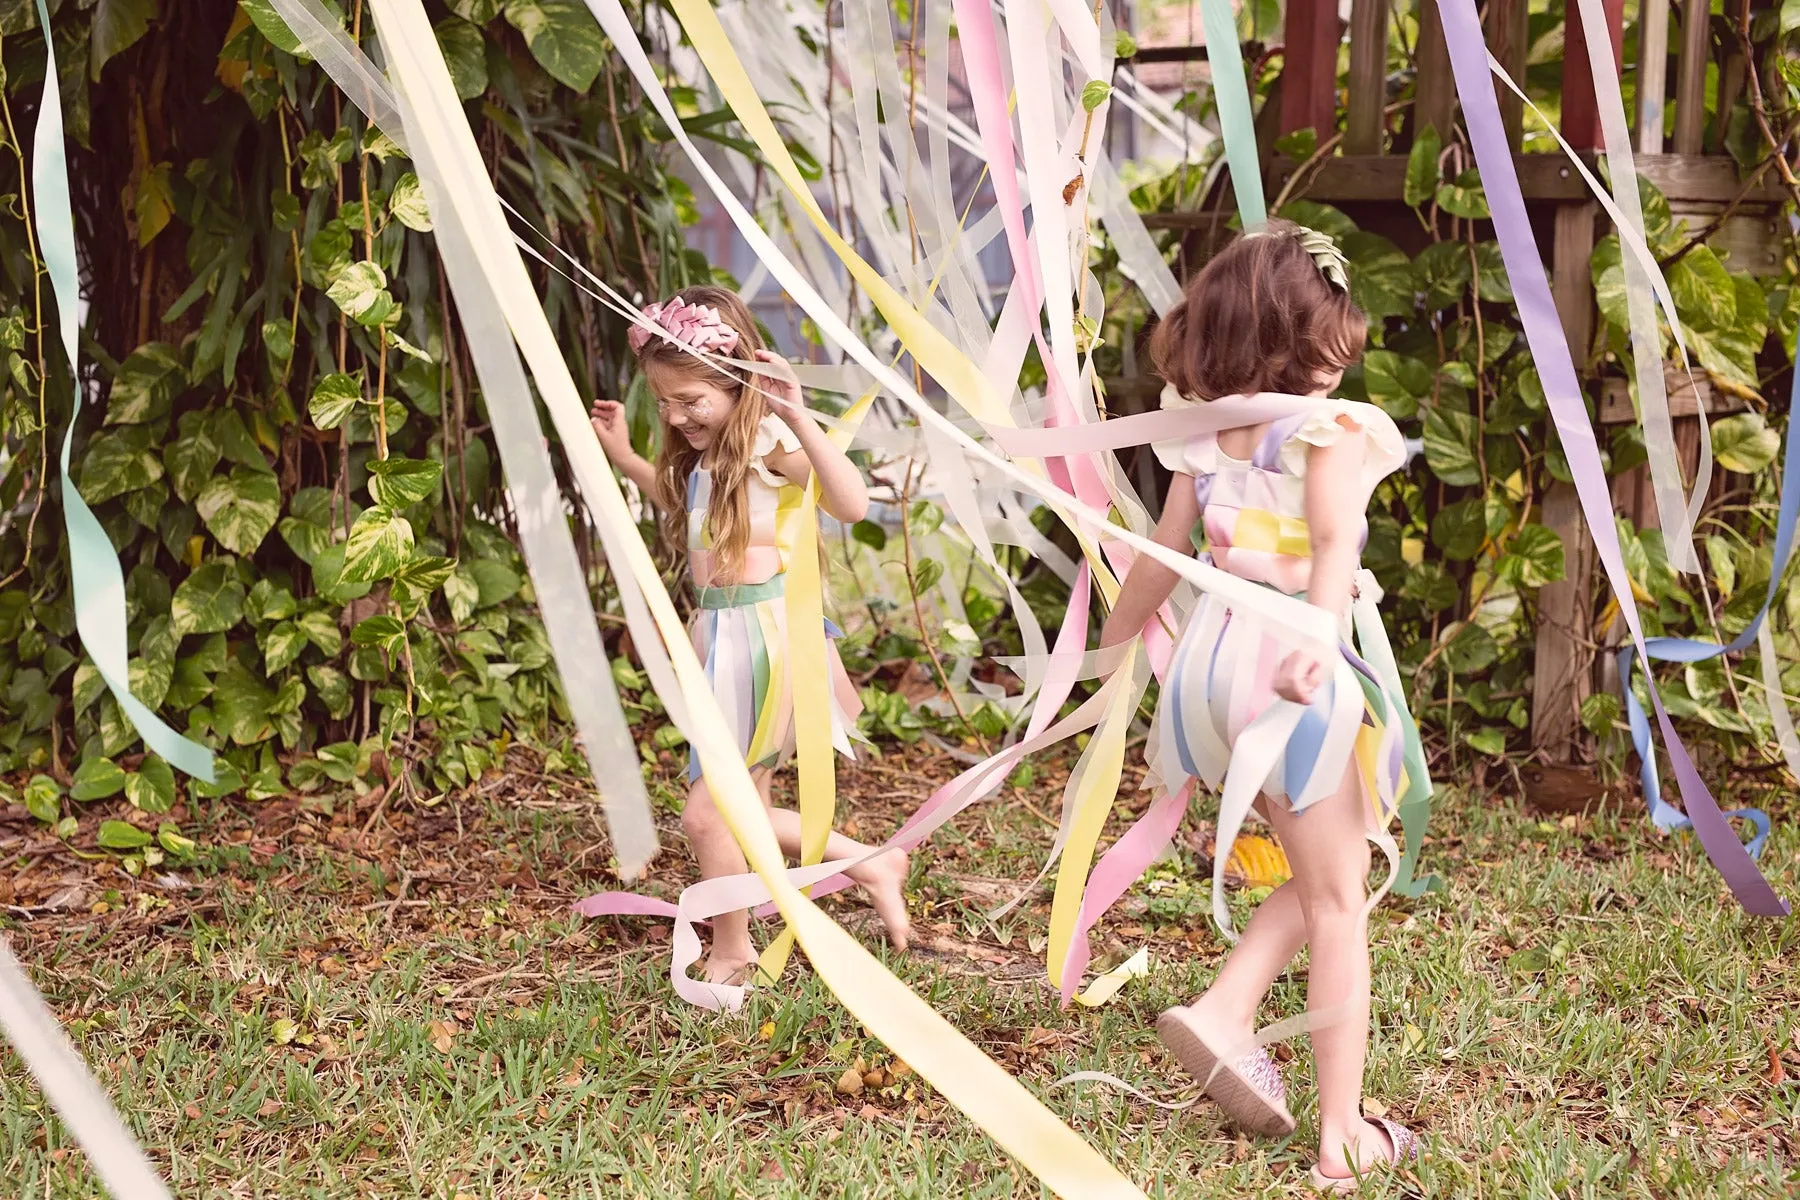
(772, 435)
(1196, 455)
(1384, 450)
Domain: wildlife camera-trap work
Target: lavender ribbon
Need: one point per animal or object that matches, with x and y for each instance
(1556, 368)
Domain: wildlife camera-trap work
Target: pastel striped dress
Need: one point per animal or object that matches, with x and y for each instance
(740, 629)
(1253, 525)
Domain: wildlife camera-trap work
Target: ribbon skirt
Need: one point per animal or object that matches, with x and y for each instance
(744, 648)
(1220, 682)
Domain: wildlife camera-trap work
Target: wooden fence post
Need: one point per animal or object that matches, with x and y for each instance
(1562, 675)
(1365, 124)
(1434, 100)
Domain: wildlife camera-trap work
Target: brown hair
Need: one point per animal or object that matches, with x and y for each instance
(728, 513)
(1260, 317)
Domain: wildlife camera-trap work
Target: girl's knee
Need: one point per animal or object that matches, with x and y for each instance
(700, 816)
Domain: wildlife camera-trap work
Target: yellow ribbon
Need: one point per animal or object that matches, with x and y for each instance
(444, 146)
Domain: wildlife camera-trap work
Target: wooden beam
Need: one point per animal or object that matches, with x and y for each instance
(1509, 39)
(1380, 177)
(1690, 76)
(1562, 664)
(1309, 68)
(1653, 74)
(1580, 109)
(1434, 101)
(1364, 120)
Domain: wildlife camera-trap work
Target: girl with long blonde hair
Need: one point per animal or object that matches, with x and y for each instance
(738, 446)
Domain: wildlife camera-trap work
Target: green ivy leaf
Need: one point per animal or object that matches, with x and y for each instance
(268, 22)
(1422, 166)
(1534, 558)
(43, 799)
(1094, 93)
(332, 687)
(1450, 446)
(417, 579)
(241, 705)
(360, 291)
(152, 788)
(1468, 648)
(209, 600)
(1704, 294)
(1489, 741)
(1744, 443)
(96, 779)
(1381, 276)
(115, 27)
(1443, 273)
(924, 518)
(870, 534)
(305, 539)
(118, 462)
(122, 835)
(399, 482)
(927, 574)
(495, 581)
(380, 631)
(407, 203)
(465, 53)
(1492, 283)
(328, 580)
(1600, 712)
(1461, 529)
(239, 509)
(463, 593)
(281, 644)
(175, 843)
(1464, 198)
(321, 629)
(1396, 382)
(147, 382)
(1434, 588)
(380, 540)
(563, 37)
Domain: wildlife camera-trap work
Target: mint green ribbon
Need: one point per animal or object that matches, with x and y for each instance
(1231, 95)
(94, 569)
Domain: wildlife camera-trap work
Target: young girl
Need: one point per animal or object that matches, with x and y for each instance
(737, 449)
(1281, 504)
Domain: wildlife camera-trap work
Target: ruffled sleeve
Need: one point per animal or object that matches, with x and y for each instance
(771, 434)
(1384, 449)
(1197, 455)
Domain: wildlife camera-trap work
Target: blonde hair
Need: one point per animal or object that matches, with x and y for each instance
(728, 512)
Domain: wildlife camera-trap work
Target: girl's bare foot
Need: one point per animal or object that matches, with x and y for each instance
(730, 966)
(883, 881)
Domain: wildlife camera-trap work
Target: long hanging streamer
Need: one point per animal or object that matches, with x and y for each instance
(1550, 350)
(33, 1029)
(544, 536)
(94, 572)
(1231, 95)
(971, 1081)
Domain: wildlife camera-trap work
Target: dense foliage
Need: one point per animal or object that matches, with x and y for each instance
(283, 438)
(1457, 540)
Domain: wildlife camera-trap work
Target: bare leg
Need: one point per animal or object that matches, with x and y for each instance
(1274, 935)
(881, 880)
(717, 852)
(1330, 855)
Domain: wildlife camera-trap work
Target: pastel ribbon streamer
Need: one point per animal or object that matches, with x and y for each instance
(1689, 650)
(1550, 351)
(967, 1078)
(1231, 95)
(94, 572)
(544, 536)
(53, 1062)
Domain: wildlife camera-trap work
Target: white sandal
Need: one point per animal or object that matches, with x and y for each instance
(1403, 1146)
(1250, 1091)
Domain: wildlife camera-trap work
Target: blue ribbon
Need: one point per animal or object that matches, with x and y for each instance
(94, 569)
(1689, 650)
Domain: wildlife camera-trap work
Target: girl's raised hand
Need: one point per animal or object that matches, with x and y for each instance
(1299, 676)
(608, 419)
(782, 387)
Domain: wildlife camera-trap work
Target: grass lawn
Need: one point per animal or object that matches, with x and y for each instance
(309, 1011)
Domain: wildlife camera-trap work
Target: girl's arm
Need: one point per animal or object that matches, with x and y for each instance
(1148, 582)
(1335, 501)
(842, 492)
(608, 420)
